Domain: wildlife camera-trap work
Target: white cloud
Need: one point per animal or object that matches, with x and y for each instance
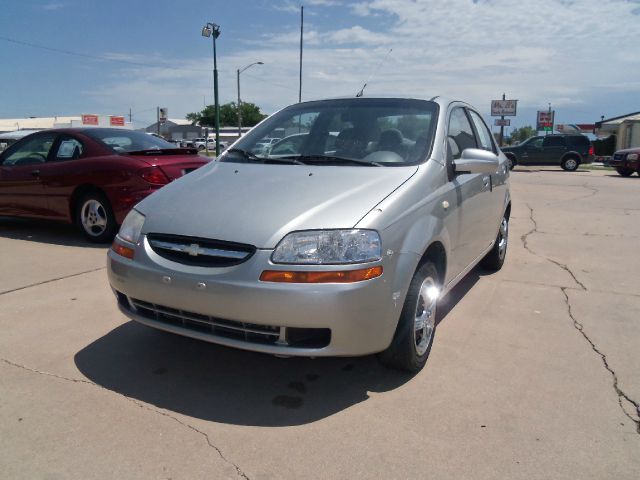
(566, 53)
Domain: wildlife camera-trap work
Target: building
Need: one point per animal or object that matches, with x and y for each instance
(44, 123)
(625, 127)
(175, 129)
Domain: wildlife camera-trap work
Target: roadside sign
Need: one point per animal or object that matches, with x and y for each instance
(500, 108)
(89, 119)
(502, 122)
(116, 121)
(545, 120)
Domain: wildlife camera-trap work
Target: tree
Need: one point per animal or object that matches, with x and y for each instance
(522, 133)
(251, 115)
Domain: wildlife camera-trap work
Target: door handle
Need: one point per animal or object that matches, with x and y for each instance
(35, 173)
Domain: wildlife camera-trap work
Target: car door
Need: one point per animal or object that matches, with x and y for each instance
(532, 152)
(553, 147)
(21, 188)
(60, 174)
(472, 194)
(495, 195)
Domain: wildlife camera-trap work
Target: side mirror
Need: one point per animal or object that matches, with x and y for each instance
(474, 160)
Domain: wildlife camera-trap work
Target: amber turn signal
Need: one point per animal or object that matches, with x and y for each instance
(348, 276)
(122, 250)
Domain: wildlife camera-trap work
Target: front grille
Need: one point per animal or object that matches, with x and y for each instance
(216, 327)
(201, 252)
(617, 156)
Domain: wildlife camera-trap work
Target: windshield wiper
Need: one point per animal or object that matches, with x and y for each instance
(254, 158)
(246, 155)
(334, 159)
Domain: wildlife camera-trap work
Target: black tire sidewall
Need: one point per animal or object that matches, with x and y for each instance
(110, 231)
(564, 164)
(402, 353)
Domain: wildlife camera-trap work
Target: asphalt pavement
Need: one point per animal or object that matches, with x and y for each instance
(534, 374)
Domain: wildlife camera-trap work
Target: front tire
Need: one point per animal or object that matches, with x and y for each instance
(95, 218)
(570, 164)
(416, 328)
(512, 162)
(625, 172)
(495, 258)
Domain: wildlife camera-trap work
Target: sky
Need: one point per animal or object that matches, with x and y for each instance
(67, 57)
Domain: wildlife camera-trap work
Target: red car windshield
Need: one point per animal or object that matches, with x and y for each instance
(125, 141)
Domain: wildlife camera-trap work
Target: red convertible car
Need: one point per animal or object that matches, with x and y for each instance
(88, 176)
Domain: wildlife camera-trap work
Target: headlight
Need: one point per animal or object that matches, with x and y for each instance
(131, 227)
(322, 247)
(632, 156)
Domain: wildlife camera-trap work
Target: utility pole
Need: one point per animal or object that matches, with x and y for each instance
(502, 124)
(130, 116)
(158, 120)
(301, 32)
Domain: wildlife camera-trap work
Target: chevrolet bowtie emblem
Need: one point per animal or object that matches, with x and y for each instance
(193, 249)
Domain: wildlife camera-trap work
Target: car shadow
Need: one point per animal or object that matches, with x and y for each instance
(537, 170)
(44, 231)
(226, 385)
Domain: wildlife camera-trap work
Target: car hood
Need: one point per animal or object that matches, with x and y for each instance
(628, 150)
(259, 204)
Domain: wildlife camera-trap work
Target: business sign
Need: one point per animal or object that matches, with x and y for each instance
(116, 121)
(575, 127)
(545, 120)
(89, 119)
(502, 122)
(506, 108)
(163, 115)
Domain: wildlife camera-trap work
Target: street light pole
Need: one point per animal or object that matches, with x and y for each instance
(213, 30)
(239, 71)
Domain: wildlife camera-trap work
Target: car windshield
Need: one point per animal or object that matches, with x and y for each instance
(349, 132)
(124, 141)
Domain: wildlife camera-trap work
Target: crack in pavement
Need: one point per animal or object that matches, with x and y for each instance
(621, 394)
(52, 280)
(580, 327)
(136, 403)
(524, 239)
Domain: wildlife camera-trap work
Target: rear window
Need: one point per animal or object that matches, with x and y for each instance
(124, 141)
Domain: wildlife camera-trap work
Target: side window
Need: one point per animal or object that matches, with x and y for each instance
(460, 134)
(553, 142)
(536, 142)
(32, 151)
(69, 149)
(484, 135)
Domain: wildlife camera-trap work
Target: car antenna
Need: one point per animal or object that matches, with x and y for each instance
(361, 92)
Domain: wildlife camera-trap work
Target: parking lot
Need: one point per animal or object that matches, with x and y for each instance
(534, 372)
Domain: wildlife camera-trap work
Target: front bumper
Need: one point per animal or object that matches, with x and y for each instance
(361, 317)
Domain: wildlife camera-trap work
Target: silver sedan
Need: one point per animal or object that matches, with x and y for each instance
(342, 247)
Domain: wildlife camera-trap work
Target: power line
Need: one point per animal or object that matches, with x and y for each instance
(96, 57)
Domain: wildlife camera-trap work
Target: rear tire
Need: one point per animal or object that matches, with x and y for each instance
(416, 328)
(495, 258)
(625, 172)
(570, 164)
(94, 216)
